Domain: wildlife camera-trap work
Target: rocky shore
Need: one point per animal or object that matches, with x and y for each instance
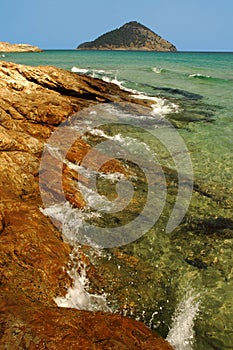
(7, 47)
(34, 257)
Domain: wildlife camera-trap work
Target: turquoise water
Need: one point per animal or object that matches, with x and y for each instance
(209, 75)
(191, 268)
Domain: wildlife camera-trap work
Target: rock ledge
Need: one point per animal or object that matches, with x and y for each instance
(7, 47)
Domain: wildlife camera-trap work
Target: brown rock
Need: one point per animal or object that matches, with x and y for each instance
(7, 47)
(32, 326)
(34, 258)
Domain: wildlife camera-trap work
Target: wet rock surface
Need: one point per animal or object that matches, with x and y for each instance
(34, 257)
(33, 326)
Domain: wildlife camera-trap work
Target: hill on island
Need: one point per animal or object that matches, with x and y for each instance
(131, 36)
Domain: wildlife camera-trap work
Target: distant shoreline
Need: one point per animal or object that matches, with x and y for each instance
(163, 52)
(8, 47)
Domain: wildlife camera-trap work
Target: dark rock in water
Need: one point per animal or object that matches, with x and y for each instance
(34, 258)
(191, 107)
(197, 263)
(172, 92)
(220, 227)
(131, 36)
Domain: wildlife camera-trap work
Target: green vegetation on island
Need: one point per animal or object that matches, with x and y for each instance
(131, 36)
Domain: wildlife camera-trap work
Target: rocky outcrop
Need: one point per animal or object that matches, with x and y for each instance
(7, 47)
(131, 36)
(32, 326)
(34, 258)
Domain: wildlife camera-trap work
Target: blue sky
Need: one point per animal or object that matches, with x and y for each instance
(192, 25)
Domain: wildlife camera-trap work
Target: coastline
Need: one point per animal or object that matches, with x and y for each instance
(200, 245)
(36, 100)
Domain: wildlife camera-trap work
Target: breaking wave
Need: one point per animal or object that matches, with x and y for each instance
(79, 70)
(200, 76)
(158, 70)
(181, 335)
(77, 296)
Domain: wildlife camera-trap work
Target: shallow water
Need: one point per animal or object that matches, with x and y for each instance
(200, 82)
(148, 278)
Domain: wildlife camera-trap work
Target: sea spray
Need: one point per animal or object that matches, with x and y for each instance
(161, 106)
(79, 70)
(72, 220)
(78, 296)
(181, 335)
(157, 70)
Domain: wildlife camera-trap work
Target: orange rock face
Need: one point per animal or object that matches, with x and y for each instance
(33, 326)
(34, 258)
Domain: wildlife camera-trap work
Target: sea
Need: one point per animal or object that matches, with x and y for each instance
(178, 281)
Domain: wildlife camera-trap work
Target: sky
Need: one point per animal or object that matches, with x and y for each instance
(191, 25)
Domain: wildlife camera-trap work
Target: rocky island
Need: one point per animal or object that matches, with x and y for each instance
(131, 36)
(7, 47)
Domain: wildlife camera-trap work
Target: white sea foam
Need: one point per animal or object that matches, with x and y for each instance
(96, 73)
(181, 335)
(95, 200)
(79, 70)
(71, 219)
(129, 143)
(89, 173)
(102, 71)
(161, 106)
(101, 133)
(78, 296)
(198, 75)
(99, 73)
(113, 81)
(157, 70)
